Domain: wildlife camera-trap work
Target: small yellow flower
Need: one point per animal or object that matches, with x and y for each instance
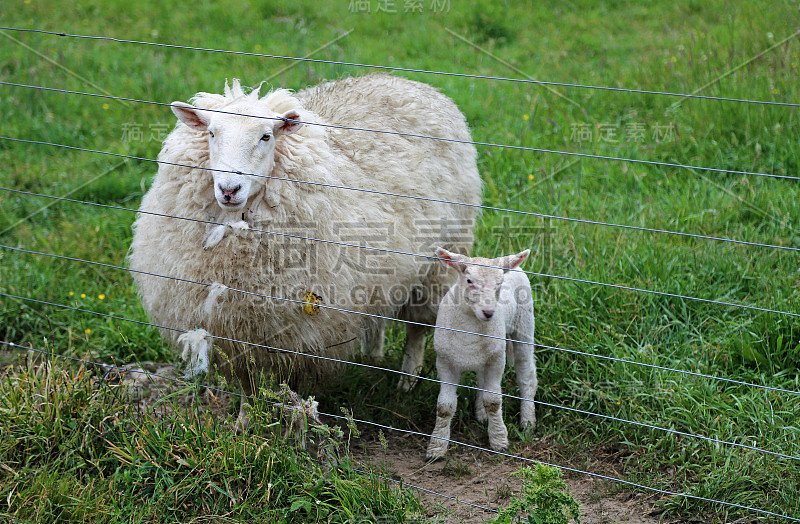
(88, 331)
(105, 106)
(101, 297)
(83, 295)
(257, 47)
(525, 117)
(673, 59)
(530, 177)
(71, 293)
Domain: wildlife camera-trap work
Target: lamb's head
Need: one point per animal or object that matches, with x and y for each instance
(239, 146)
(478, 284)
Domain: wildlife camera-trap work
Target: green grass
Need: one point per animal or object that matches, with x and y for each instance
(75, 450)
(675, 47)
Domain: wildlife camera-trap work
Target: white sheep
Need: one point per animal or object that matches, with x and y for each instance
(487, 301)
(292, 199)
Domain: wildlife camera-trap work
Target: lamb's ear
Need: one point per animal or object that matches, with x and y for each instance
(513, 261)
(285, 127)
(190, 115)
(451, 259)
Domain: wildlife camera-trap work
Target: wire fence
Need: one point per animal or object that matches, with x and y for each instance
(350, 419)
(490, 208)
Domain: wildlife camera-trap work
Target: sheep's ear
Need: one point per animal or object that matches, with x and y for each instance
(451, 259)
(285, 127)
(190, 115)
(513, 261)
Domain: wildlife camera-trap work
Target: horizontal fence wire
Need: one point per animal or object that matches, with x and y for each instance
(410, 322)
(406, 69)
(413, 376)
(350, 419)
(533, 273)
(452, 140)
(489, 208)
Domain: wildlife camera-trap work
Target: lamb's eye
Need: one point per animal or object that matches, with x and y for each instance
(211, 134)
(469, 281)
(266, 137)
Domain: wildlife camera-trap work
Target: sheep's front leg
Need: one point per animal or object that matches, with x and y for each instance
(415, 354)
(243, 420)
(493, 404)
(445, 408)
(372, 341)
(525, 365)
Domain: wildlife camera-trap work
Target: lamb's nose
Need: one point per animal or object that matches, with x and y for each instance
(488, 313)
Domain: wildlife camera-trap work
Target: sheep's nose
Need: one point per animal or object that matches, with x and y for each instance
(228, 193)
(488, 313)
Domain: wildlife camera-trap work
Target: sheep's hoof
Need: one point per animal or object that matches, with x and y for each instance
(242, 421)
(406, 384)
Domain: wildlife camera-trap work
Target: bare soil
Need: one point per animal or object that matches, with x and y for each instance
(477, 478)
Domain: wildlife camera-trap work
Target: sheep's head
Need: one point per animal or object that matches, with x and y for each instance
(239, 146)
(479, 284)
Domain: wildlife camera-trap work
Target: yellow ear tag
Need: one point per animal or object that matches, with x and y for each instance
(310, 303)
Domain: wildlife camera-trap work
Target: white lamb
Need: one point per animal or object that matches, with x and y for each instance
(292, 199)
(488, 301)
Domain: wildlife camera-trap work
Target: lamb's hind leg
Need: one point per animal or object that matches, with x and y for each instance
(480, 409)
(414, 356)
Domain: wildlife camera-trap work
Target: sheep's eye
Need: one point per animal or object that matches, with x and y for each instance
(211, 134)
(266, 137)
(469, 281)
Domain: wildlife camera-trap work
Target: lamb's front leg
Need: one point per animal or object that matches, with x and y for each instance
(525, 365)
(493, 404)
(445, 408)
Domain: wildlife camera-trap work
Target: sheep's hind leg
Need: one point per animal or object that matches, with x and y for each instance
(414, 356)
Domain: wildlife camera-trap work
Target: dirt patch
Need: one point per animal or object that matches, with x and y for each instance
(477, 478)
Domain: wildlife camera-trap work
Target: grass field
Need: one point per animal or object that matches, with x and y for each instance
(747, 50)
